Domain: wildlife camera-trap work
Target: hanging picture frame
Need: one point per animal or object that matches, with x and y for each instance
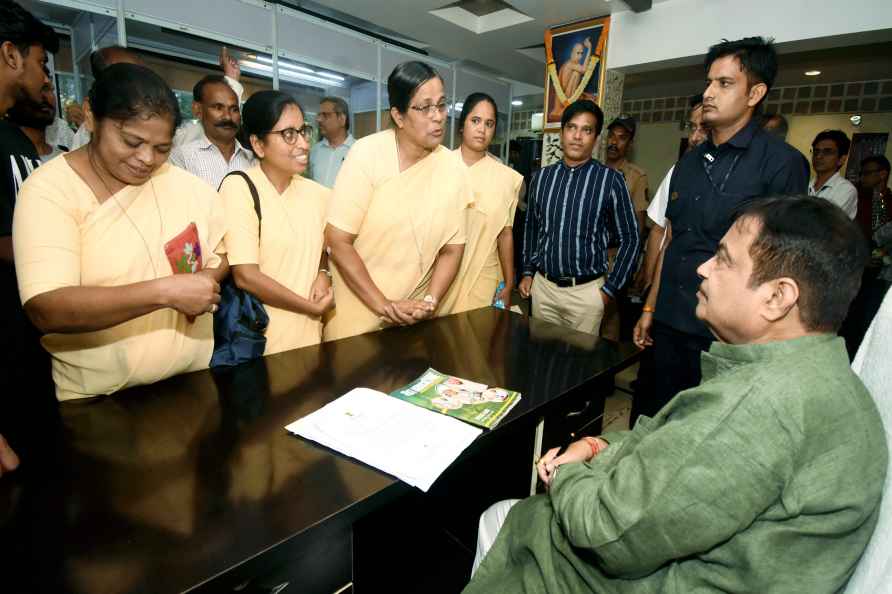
(575, 57)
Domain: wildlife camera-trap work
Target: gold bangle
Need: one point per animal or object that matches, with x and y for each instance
(648, 309)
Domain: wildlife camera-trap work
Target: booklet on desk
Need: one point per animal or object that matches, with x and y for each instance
(395, 433)
(469, 401)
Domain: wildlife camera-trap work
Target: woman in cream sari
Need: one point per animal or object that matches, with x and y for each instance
(116, 251)
(396, 225)
(489, 253)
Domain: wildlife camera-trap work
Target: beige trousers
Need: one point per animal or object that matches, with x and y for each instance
(580, 307)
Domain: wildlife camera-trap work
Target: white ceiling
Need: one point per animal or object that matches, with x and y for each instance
(493, 51)
(516, 52)
(503, 53)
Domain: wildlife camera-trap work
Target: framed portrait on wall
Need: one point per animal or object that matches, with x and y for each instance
(575, 69)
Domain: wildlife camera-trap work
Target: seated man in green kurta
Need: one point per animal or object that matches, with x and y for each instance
(765, 478)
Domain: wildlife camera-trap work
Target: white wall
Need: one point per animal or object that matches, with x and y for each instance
(803, 129)
(656, 150)
(656, 145)
(676, 30)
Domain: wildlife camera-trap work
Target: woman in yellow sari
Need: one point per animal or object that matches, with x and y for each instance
(489, 253)
(280, 258)
(117, 252)
(396, 225)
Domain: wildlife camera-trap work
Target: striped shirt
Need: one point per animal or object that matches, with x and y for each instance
(201, 157)
(573, 213)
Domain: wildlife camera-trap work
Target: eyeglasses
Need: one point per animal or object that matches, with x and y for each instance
(430, 109)
(689, 127)
(826, 152)
(289, 135)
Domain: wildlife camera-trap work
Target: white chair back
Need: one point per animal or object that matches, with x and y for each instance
(873, 364)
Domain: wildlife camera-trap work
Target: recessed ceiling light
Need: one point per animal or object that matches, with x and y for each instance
(517, 103)
(812, 72)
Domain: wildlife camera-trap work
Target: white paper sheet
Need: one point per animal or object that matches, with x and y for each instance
(399, 438)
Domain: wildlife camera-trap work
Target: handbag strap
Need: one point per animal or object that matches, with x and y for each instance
(253, 189)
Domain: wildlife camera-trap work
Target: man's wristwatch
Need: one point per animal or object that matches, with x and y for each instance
(326, 271)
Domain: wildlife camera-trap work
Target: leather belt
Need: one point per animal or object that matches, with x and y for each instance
(571, 281)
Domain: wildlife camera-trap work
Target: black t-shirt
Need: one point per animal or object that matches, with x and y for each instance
(24, 365)
(18, 159)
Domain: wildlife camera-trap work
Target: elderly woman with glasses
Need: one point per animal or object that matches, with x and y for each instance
(396, 226)
(279, 258)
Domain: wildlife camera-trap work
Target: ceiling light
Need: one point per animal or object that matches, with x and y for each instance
(289, 73)
(284, 64)
(517, 103)
(812, 72)
(329, 75)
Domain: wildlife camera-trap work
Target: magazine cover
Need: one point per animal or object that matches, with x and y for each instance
(469, 401)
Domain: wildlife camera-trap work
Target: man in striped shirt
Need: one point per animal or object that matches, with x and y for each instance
(575, 207)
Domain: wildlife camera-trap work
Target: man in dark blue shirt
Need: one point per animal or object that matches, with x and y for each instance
(575, 205)
(739, 161)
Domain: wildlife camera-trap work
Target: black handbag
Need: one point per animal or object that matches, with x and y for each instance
(240, 321)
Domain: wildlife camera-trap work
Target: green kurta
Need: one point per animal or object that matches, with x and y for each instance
(765, 478)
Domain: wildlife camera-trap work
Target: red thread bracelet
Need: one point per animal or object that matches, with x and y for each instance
(593, 444)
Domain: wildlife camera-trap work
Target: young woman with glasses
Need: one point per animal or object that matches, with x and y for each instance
(280, 258)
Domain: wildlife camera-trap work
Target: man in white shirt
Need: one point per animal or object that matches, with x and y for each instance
(829, 151)
(656, 210)
(101, 59)
(59, 134)
(215, 151)
(189, 131)
(334, 126)
(656, 213)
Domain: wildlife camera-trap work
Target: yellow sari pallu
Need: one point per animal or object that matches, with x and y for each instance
(496, 189)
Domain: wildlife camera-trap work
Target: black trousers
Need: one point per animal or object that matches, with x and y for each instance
(676, 367)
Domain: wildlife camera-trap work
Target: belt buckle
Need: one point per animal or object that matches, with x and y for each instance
(567, 280)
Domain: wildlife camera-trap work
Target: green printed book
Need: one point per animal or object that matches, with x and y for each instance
(474, 403)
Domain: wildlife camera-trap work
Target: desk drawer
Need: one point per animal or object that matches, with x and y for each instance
(581, 415)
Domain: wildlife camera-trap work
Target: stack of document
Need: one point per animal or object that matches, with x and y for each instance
(411, 443)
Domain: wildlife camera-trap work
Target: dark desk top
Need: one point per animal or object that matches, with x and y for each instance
(159, 488)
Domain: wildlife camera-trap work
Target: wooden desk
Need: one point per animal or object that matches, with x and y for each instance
(163, 488)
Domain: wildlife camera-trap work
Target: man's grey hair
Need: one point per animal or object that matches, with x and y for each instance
(340, 106)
